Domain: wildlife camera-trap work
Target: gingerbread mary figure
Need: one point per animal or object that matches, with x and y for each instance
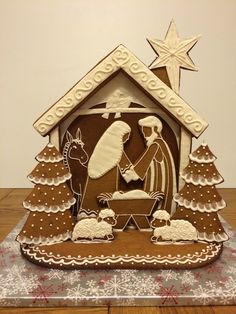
(107, 162)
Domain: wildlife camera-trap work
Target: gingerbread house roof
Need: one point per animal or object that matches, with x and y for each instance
(122, 59)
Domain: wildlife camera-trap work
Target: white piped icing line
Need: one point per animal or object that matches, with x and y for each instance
(107, 212)
(201, 207)
(207, 158)
(198, 179)
(53, 157)
(49, 181)
(161, 214)
(50, 209)
(207, 253)
(45, 240)
(217, 237)
(49, 159)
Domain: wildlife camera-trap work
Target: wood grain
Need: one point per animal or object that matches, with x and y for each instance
(224, 309)
(4, 193)
(11, 211)
(58, 310)
(134, 310)
(187, 310)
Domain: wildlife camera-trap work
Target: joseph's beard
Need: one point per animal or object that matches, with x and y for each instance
(150, 139)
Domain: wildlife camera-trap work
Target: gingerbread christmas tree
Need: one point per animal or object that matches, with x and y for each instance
(199, 201)
(50, 219)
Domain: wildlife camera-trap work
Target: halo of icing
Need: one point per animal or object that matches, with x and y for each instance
(50, 209)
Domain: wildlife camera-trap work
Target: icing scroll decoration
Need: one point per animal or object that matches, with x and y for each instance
(188, 119)
(43, 126)
(122, 58)
(186, 115)
(99, 75)
(88, 86)
(135, 69)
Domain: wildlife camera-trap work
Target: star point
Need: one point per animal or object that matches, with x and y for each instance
(172, 53)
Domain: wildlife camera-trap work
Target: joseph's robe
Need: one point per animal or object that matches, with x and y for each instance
(156, 168)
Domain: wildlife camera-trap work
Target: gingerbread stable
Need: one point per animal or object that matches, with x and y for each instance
(117, 186)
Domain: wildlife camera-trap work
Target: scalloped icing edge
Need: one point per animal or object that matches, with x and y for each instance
(51, 209)
(219, 237)
(50, 181)
(203, 208)
(203, 159)
(45, 240)
(203, 256)
(49, 159)
(200, 180)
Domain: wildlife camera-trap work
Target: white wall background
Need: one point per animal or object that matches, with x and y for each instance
(46, 46)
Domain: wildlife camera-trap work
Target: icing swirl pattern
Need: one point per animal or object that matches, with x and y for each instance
(122, 58)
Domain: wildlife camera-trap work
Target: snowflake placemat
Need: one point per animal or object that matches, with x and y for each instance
(25, 284)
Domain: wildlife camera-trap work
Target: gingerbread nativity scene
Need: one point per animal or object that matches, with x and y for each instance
(118, 186)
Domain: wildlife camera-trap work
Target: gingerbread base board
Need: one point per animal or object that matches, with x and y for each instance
(123, 252)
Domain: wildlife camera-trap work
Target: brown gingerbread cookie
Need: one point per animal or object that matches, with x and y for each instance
(50, 219)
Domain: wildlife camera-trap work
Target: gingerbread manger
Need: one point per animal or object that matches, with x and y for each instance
(117, 186)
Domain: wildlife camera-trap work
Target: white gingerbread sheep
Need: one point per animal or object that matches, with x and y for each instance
(96, 228)
(175, 230)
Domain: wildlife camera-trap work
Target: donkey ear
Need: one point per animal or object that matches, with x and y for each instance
(69, 137)
(78, 134)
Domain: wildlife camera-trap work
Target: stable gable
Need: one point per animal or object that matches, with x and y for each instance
(122, 59)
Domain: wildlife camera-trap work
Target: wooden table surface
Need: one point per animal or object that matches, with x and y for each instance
(11, 211)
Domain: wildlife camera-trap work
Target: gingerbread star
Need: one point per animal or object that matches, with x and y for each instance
(173, 54)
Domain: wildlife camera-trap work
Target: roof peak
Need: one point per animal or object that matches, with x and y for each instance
(121, 58)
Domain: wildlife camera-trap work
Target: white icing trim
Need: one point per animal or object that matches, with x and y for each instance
(201, 207)
(105, 213)
(108, 150)
(137, 97)
(49, 159)
(218, 237)
(50, 209)
(50, 181)
(161, 215)
(91, 228)
(172, 53)
(185, 149)
(151, 122)
(178, 229)
(45, 240)
(198, 179)
(122, 58)
(132, 194)
(207, 253)
(54, 137)
(202, 159)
